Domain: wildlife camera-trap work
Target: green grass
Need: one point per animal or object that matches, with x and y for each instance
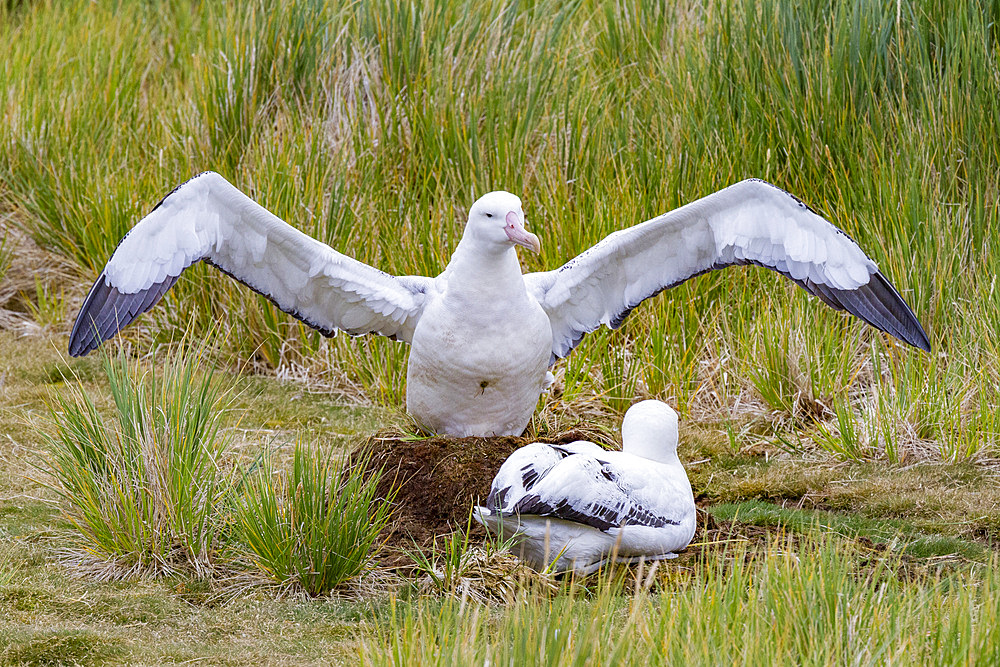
(142, 489)
(901, 536)
(47, 307)
(159, 489)
(821, 603)
(374, 126)
(458, 566)
(55, 648)
(922, 574)
(312, 528)
(883, 117)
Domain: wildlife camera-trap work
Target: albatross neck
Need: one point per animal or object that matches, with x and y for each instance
(653, 446)
(484, 269)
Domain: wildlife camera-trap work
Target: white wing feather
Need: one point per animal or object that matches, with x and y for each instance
(751, 222)
(208, 219)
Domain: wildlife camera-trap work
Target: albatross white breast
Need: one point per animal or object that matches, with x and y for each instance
(483, 334)
(577, 506)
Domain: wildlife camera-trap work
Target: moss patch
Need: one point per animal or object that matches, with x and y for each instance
(58, 647)
(901, 535)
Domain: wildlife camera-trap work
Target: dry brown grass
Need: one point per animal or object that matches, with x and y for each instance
(28, 263)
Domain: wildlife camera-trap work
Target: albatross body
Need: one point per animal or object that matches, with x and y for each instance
(483, 334)
(577, 506)
(480, 351)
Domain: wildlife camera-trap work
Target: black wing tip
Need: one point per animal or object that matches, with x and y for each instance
(106, 311)
(83, 338)
(907, 327)
(81, 348)
(78, 349)
(877, 302)
(88, 333)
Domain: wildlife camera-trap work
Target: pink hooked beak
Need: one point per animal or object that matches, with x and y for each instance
(519, 235)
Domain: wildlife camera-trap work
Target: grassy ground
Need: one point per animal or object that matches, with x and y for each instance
(374, 126)
(899, 549)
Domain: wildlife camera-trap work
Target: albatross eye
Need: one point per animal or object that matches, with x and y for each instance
(489, 215)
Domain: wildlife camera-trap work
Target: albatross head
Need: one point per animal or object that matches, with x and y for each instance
(649, 430)
(497, 219)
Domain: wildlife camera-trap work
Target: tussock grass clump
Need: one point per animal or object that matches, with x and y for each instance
(314, 527)
(155, 488)
(142, 486)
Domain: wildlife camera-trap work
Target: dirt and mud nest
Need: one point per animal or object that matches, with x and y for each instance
(437, 480)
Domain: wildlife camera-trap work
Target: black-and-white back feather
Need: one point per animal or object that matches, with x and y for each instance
(527, 466)
(594, 492)
(643, 485)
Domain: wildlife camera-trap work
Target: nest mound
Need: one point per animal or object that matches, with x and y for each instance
(438, 480)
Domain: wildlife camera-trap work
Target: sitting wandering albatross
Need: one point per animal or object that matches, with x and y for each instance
(577, 506)
(483, 334)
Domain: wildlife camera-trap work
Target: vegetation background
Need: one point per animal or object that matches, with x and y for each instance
(373, 126)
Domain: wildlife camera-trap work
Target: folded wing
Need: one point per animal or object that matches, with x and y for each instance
(526, 467)
(752, 222)
(587, 490)
(208, 219)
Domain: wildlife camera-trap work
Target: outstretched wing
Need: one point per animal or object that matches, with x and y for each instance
(208, 219)
(586, 490)
(752, 222)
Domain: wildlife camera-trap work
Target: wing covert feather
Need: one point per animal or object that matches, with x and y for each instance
(208, 219)
(595, 493)
(751, 222)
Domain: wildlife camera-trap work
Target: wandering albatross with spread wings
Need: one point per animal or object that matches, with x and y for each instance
(483, 334)
(577, 506)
